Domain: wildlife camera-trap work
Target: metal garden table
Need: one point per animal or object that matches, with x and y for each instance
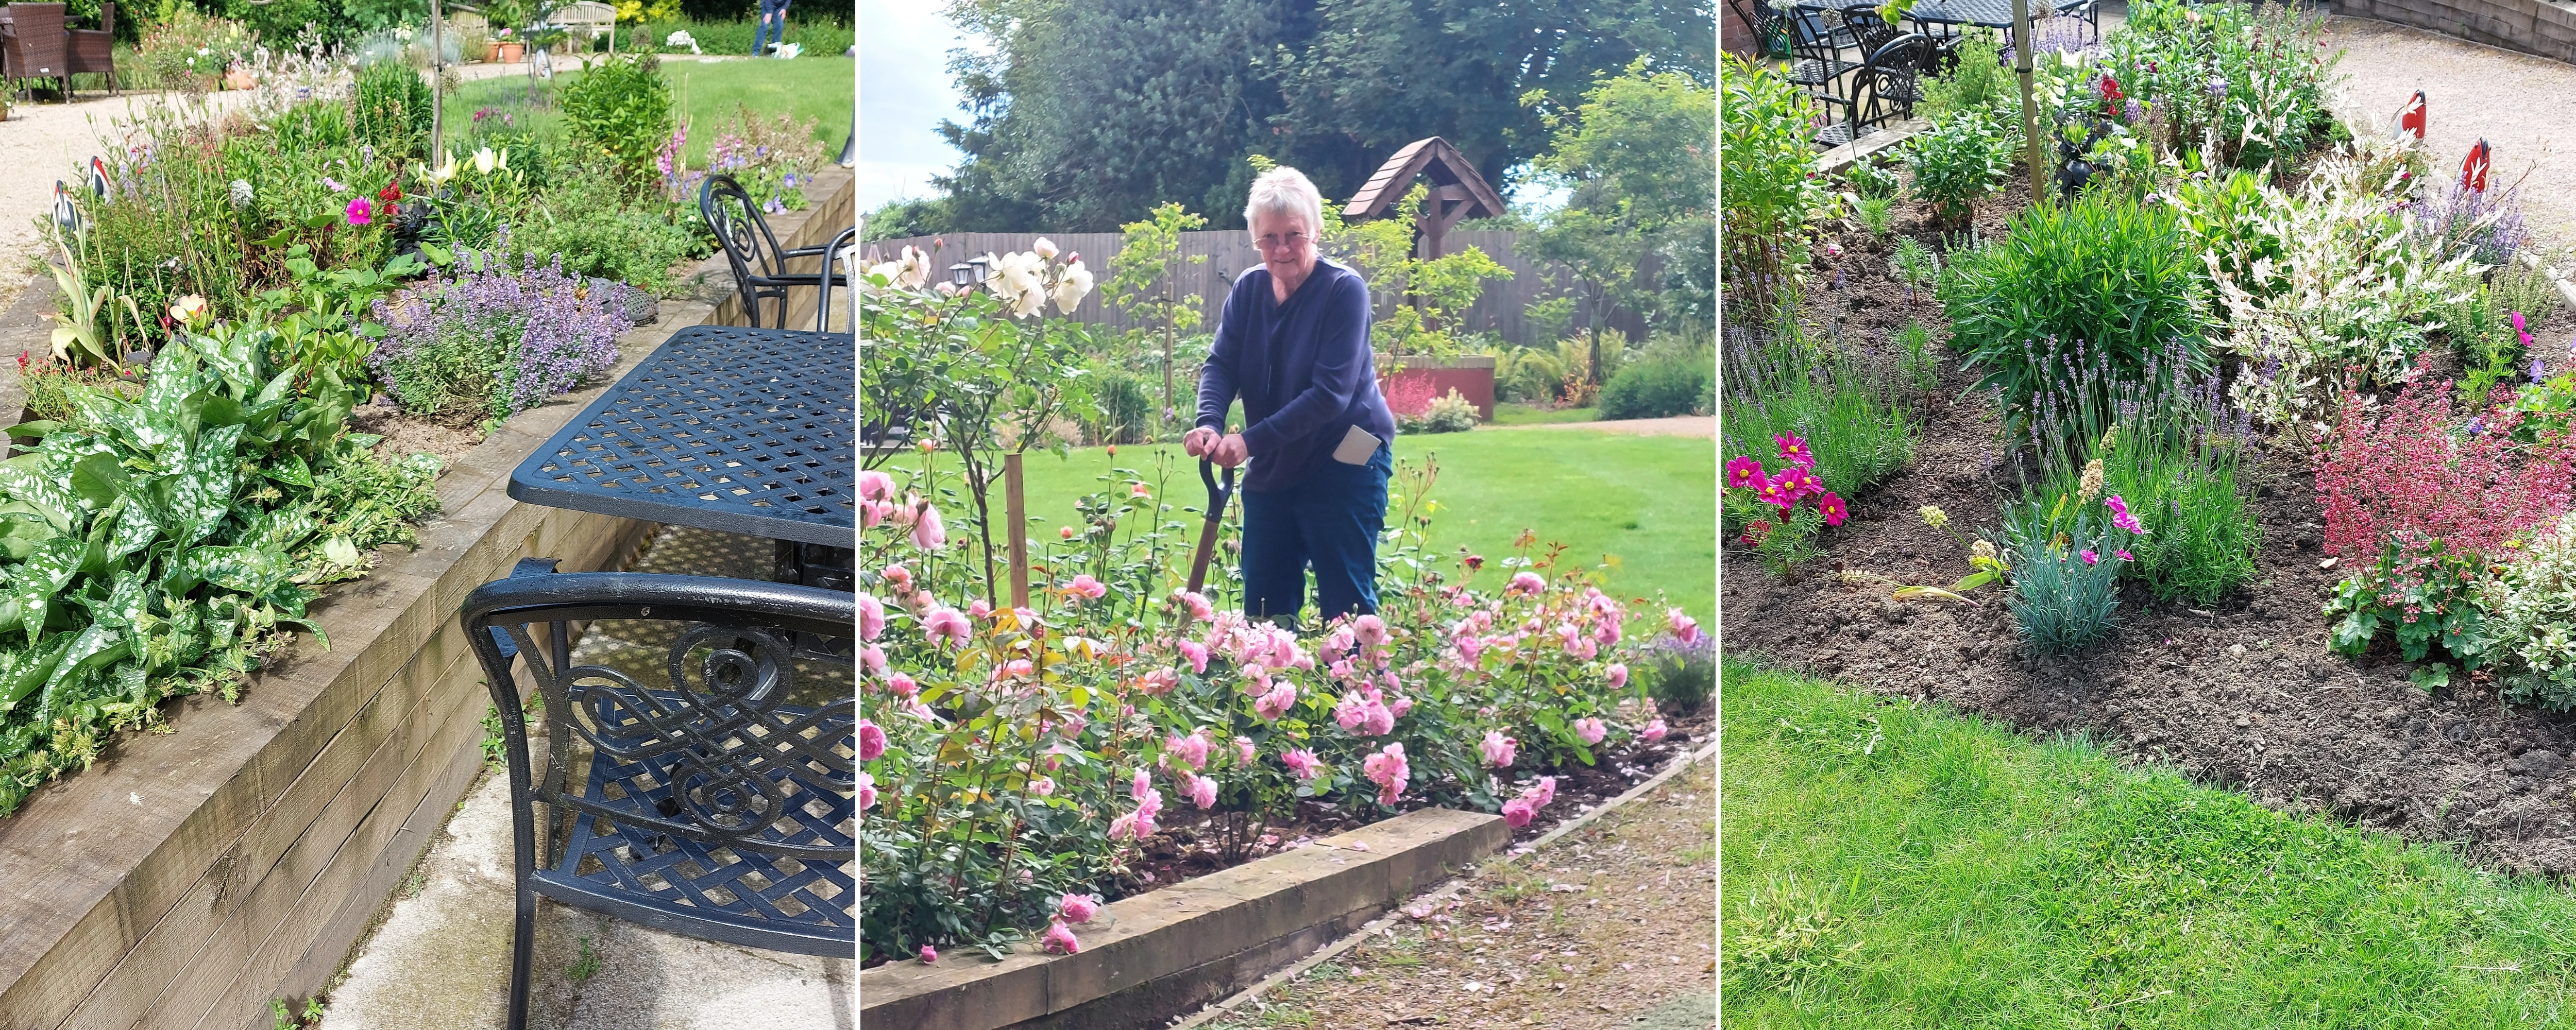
(750, 431)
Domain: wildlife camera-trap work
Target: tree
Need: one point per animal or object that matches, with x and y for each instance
(1639, 153)
(1151, 254)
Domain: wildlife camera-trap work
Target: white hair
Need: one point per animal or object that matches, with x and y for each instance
(1285, 191)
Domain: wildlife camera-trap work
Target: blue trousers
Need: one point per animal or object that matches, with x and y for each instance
(773, 26)
(1330, 522)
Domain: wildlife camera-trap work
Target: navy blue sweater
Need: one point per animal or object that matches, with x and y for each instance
(1303, 369)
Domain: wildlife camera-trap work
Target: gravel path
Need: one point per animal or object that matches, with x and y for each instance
(2516, 102)
(1610, 926)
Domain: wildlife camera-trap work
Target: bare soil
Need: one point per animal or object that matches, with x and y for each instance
(405, 434)
(2241, 693)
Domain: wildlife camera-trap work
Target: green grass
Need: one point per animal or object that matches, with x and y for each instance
(704, 92)
(1887, 865)
(1514, 413)
(1646, 503)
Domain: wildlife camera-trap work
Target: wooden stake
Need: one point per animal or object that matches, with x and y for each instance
(437, 99)
(2029, 112)
(1016, 511)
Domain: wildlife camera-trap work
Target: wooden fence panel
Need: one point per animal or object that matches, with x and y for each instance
(1501, 309)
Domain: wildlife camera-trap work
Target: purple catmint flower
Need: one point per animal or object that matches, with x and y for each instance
(2537, 372)
(535, 320)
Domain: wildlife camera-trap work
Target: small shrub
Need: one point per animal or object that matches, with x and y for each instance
(1764, 124)
(2531, 609)
(2066, 568)
(587, 219)
(1980, 84)
(1450, 414)
(1916, 266)
(1528, 374)
(1681, 675)
(1873, 181)
(1657, 386)
(191, 49)
(392, 110)
(1877, 215)
(491, 343)
(2112, 276)
(1957, 162)
(621, 107)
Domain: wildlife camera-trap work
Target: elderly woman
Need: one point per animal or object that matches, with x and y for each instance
(1293, 344)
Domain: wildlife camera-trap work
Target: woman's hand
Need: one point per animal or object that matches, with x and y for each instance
(1198, 442)
(1230, 452)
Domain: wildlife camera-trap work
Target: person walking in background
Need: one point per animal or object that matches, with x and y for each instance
(773, 27)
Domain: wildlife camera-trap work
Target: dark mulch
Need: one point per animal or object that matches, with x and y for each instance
(2241, 693)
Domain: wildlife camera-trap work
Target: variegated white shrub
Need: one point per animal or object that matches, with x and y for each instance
(2531, 611)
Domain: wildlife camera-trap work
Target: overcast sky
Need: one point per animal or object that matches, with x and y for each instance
(905, 90)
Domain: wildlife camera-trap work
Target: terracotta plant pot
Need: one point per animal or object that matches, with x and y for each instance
(239, 78)
(506, 53)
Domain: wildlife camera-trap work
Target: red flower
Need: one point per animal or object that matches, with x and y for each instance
(391, 194)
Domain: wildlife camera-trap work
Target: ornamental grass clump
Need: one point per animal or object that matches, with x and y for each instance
(488, 342)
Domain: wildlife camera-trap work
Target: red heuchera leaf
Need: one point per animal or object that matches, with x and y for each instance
(2405, 476)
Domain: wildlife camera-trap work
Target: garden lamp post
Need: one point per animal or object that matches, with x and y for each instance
(969, 273)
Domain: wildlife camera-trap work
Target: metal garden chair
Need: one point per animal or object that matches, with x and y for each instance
(701, 765)
(759, 263)
(1815, 54)
(1883, 91)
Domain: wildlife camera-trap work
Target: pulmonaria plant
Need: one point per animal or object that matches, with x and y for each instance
(1781, 511)
(491, 342)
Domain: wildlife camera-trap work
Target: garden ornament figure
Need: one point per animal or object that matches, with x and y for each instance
(1292, 344)
(2410, 119)
(2473, 170)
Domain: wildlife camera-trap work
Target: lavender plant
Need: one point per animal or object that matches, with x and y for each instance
(489, 342)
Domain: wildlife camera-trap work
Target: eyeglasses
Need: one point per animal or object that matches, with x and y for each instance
(1295, 241)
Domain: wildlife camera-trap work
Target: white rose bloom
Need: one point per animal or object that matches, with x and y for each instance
(916, 267)
(1072, 287)
(1044, 249)
(1030, 302)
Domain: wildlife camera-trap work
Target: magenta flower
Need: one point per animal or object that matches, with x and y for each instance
(872, 741)
(929, 954)
(1795, 451)
(867, 792)
(1833, 508)
(1087, 588)
(1517, 813)
(1744, 473)
(361, 212)
(1077, 908)
(2089, 557)
(1498, 749)
(2125, 555)
(1591, 730)
(1061, 941)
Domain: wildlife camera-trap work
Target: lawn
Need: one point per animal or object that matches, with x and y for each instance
(1513, 413)
(705, 92)
(1641, 506)
(1894, 865)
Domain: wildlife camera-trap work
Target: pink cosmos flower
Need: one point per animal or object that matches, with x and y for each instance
(1744, 473)
(1369, 630)
(1498, 749)
(2089, 557)
(1042, 786)
(946, 624)
(1201, 791)
(1302, 762)
(1196, 653)
(1618, 674)
(1061, 941)
(1192, 749)
(1276, 703)
(1087, 588)
(1795, 451)
(1077, 908)
(1654, 731)
(902, 685)
(1591, 730)
(1832, 506)
(875, 485)
(361, 212)
(867, 792)
(1517, 813)
(1525, 583)
(927, 531)
(872, 741)
(871, 617)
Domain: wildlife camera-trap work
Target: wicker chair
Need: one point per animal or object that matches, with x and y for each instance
(1883, 91)
(92, 51)
(33, 43)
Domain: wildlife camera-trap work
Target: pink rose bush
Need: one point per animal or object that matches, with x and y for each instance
(1019, 759)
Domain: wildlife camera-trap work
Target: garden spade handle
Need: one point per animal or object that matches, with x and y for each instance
(1217, 497)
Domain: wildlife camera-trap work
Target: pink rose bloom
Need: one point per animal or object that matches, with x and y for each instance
(1654, 731)
(1061, 941)
(1202, 791)
(871, 617)
(1077, 908)
(1498, 748)
(1525, 583)
(1542, 793)
(1198, 605)
(979, 608)
(1243, 750)
(1351, 711)
(1381, 719)
(902, 685)
(1073, 725)
(875, 485)
(871, 513)
(1192, 749)
(1402, 705)
(929, 954)
(1618, 673)
(1087, 588)
(1390, 792)
(872, 741)
(1141, 786)
(1302, 762)
(946, 625)
(872, 658)
(1583, 650)
(927, 531)
(1517, 813)
(1159, 681)
(1591, 730)
(867, 792)
(1468, 648)
(1197, 654)
(1387, 768)
(1684, 627)
(1042, 786)
(1339, 641)
(1276, 703)
(1369, 630)
(1123, 827)
(900, 576)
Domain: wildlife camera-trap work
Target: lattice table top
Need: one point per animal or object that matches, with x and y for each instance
(749, 431)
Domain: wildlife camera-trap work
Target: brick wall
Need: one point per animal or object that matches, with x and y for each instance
(2543, 27)
(1733, 35)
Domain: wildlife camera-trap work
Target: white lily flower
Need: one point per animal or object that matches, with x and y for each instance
(483, 161)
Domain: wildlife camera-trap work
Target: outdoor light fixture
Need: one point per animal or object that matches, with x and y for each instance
(961, 274)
